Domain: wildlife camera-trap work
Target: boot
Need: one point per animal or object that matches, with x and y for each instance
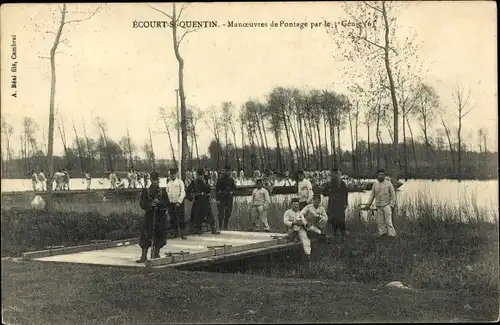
(156, 253)
(226, 221)
(214, 230)
(181, 235)
(144, 256)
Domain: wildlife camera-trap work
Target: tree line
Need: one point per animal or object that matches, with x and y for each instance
(305, 127)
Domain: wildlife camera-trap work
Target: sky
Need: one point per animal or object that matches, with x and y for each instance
(122, 74)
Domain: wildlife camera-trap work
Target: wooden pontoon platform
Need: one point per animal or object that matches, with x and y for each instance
(196, 249)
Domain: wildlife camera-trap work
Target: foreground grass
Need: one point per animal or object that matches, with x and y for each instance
(37, 293)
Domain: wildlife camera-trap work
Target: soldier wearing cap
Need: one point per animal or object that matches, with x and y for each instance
(260, 203)
(176, 194)
(295, 226)
(199, 191)
(337, 193)
(154, 227)
(315, 214)
(385, 199)
(224, 191)
(305, 189)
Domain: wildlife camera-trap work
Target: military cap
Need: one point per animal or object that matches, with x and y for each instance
(295, 199)
(200, 171)
(154, 176)
(173, 170)
(259, 180)
(316, 196)
(300, 172)
(380, 170)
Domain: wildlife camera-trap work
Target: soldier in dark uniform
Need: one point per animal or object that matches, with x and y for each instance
(199, 191)
(154, 201)
(224, 191)
(337, 193)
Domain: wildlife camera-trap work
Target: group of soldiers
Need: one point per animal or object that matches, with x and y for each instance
(59, 181)
(305, 217)
(158, 204)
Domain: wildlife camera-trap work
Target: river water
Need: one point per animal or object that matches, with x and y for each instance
(451, 192)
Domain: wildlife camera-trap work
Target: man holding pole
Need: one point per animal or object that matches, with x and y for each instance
(224, 191)
(385, 196)
(176, 194)
(153, 233)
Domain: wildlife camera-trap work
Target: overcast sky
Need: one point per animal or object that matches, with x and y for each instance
(124, 74)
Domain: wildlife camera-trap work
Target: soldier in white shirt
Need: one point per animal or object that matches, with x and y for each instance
(385, 196)
(295, 226)
(43, 180)
(88, 178)
(242, 176)
(113, 179)
(34, 180)
(176, 193)
(315, 214)
(305, 190)
(260, 203)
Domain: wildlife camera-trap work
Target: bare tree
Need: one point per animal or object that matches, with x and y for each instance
(7, 131)
(165, 118)
(450, 142)
(152, 150)
(78, 147)
(463, 107)
(103, 129)
(62, 133)
(177, 40)
(64, 21)
(375, 44)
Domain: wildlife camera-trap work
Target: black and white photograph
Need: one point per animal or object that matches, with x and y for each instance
(249, 162)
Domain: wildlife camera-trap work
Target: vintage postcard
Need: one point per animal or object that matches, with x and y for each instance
(266, 162)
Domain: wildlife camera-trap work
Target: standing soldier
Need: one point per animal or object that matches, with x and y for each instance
(176, 194)
(385, 199)
(199, 191)
(154, 201)
(256, 174)
(224, 195)
(242, 176)
(305, 190)
(34, 180)
(146, 178)
(337, 193)
(234, 174)
(88, 179)
(112, 179)
(43, 180)
(65, 179)
(260, 203)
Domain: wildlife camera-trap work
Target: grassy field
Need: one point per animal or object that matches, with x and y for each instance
(75, 294)
(448, 254)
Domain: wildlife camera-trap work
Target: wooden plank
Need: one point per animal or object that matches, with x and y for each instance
(257, 245)
(234, 256)
(165, 260)
(80, 248)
